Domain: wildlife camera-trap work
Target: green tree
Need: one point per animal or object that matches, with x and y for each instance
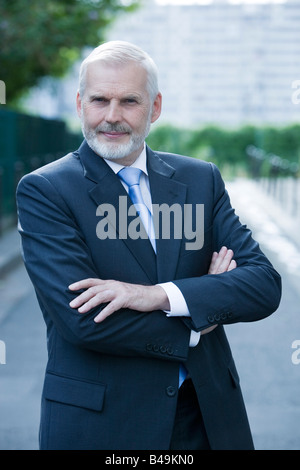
(44, 38)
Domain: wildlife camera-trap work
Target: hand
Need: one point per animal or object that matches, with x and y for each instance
(220, 263)
(118, 295)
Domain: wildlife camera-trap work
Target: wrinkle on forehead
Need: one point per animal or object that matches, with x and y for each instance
(116, 80)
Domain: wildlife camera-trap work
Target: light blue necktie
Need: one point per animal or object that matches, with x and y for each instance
(131, 176)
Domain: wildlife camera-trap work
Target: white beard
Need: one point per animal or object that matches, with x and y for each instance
(114, 151)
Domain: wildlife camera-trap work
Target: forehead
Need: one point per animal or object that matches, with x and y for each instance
(115, 79)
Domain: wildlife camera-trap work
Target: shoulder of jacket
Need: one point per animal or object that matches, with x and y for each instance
(65, 165)
(184, 161)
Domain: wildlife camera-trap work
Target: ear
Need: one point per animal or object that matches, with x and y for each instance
(156, 108)
(78, 104)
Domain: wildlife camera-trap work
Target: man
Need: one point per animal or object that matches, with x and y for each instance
(138, 357)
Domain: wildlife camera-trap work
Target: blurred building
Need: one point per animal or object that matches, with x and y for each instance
(222, 62)
(226, 62)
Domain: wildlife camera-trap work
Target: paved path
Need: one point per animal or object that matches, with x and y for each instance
(23, 331)
(262, 350)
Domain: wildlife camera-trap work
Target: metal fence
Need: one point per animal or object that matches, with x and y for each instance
(278, 176)
(26, 143)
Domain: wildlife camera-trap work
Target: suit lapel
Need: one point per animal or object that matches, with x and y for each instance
(168, 191)
(107, 190)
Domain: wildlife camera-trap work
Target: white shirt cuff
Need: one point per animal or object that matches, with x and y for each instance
(178, 307)
(177, 301)
(194, 338)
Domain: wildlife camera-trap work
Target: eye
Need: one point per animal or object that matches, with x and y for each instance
(100, 99)
(130, 100)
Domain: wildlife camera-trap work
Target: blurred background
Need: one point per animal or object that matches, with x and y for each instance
(229, 72)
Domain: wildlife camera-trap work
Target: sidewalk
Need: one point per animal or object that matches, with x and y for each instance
(10, 250)
(255, 202)
(273, 226)
(263, 350)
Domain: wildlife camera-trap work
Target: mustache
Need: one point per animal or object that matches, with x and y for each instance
(106, 127)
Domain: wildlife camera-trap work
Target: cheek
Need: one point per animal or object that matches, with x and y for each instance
(92, 117)
(140, 119)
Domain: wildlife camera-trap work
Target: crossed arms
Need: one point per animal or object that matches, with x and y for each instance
(56, 254)
(118, 295)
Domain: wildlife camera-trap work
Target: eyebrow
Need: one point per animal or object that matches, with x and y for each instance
(126, 96)
(97, 95)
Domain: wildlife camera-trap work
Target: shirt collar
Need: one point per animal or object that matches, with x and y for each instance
(140, 162)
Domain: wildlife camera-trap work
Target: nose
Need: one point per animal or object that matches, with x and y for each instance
(114, 113)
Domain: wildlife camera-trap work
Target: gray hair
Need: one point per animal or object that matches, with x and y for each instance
(121, 52)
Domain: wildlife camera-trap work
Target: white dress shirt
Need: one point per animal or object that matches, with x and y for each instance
(178, 306)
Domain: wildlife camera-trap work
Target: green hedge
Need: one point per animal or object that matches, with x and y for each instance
(227, 147)
(27, 142)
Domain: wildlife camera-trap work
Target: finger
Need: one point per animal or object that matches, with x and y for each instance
(217, 261)
(232, 265)
(225, 261)
(96, 300)
(208, 330)
(84, 284)
(83, 298)
(112, 307)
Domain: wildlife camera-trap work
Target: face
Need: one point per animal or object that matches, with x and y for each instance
(116, 111)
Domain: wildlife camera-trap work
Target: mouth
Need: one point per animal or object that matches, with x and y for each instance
(113, 135)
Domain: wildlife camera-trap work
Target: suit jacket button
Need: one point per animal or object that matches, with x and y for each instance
(155, 348)
(211, 319)
(217, 317)
(171, 391)
(170, 351)
(163, 349)
(149, 347)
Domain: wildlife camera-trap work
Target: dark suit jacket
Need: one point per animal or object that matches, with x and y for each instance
(113, 385)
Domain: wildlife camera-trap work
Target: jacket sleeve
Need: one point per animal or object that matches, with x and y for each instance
(55, 255)
(250, 292)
